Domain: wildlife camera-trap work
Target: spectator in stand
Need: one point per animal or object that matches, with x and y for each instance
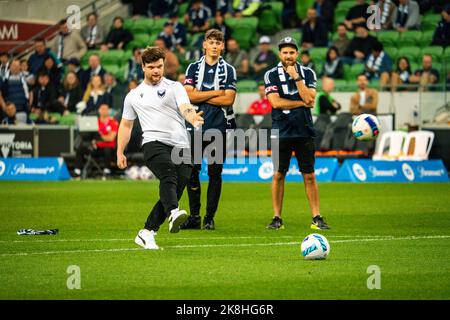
(378, 65)
(333, 66)
(261, 106)
(441, 36)
(168, 36)
(139, 8)
(360, 47)
(197, 17)
(93, 34)
(118, 37)
(161, 8)
(401, 75)
(325, 12)
(52, 70)
(365, 100)
(24, 68)
(237, 58)
(264, 60)
(68, 43)
(45, 97)
(357, 15)
(70, 93)
(134, 68)
(220, 25)
(115, 90)
(387, 11)
(36, 60)
(305, 60)
(342, 42)
(95, 68)
(4, 65)
(14, 89)
(95, 95)
(425, 76)
(246, 8)
(10, 114)
(407, 16)
(325, 103)
(314, 31)
(180, 33)
(171, 63)
(105, 147)
(74, 66)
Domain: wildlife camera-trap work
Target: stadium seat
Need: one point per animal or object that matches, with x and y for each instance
(244, 31)
(247, 86)
(68, 120)
(297, 35)
(429, 22)
(388, 38)
(302, 6)
(417, 145)
(182, 9)
(112, 57)
(318, 55)
(413, 53)
(112, 68)
(128, 24)
(142, 39)
(158, 26)
(142, 25)
(340, 84)
(427, 37)
(269, 20)
(345, 5)
(392, 52)
(394, 147)
(409, 38)
(435, 51)
(335, 36)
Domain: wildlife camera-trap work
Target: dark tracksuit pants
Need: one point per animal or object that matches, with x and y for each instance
(214, 185)
(172, 177)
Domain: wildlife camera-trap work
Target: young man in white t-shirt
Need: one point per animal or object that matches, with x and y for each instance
(162, 106)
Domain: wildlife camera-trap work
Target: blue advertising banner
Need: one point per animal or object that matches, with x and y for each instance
(261, 169)
(392, 171)
(33, 169)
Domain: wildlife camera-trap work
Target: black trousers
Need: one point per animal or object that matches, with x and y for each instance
(172, 180)
(214, 185)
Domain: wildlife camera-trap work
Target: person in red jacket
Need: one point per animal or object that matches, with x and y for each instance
(262, 105)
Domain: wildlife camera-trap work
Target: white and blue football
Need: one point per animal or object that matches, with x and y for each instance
(366, 127)
(315, 247)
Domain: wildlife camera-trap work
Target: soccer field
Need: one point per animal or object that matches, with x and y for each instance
(404, 229)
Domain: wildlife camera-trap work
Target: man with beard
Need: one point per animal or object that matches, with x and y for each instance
(291, 90)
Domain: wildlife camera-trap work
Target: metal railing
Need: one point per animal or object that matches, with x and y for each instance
(25, 48)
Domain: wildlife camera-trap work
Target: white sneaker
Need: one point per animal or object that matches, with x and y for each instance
(146, 239)
(176, 219)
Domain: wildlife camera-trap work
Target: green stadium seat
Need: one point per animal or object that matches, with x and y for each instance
(413, 53)
(142, 25)
(158, 26)
(392, 52)
(142, 39)
(111, 68)
(128, 23)
(318, 55)
(269, 21)
(446, 57)
(340, 84)
(409, 38)
(345, 5)
(301, 7)
(182, 10)
(247, 86)
(415, 66)
(353, 71)
(133, 44)
(427, 37)
(297, 35)
(318, 69)
(429, 22)
(435, 51)
(112, 57)
(68, 120)
(388, 38)
(54, 117)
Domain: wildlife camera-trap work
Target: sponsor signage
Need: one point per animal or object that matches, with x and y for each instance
(17, 143)
(392, 171)
(33, 169)
(261, 169)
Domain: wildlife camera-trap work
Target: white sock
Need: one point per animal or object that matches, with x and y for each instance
(174, 210)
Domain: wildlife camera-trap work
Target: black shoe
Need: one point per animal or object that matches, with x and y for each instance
(192, 222)
(208, 224)
(277, 223)
(319, 224)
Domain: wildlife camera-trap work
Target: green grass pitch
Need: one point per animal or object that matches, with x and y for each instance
(404, 229)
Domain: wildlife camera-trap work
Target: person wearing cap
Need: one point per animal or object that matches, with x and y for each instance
(264, 60)
(291, 90)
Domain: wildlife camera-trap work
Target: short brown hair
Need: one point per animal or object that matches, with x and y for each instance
(152, 54)
(215, 34)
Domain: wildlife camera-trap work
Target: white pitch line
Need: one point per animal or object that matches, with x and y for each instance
(389, 238)
(32, 240)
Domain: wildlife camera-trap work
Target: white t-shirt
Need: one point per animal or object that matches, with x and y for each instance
(157, 107)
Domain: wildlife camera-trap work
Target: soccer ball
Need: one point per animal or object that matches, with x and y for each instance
(366, 127)
(133, 173)
(315, 247)
(145, 173)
